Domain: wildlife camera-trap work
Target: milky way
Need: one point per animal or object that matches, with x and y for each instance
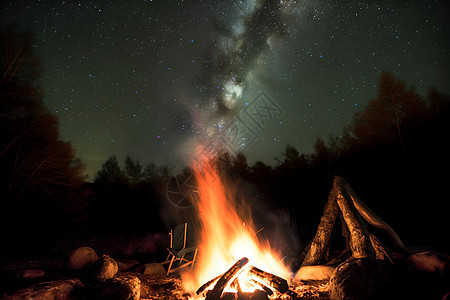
(153, 78)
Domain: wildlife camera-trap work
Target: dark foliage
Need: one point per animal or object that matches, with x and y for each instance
(40, 178)
(128, 201)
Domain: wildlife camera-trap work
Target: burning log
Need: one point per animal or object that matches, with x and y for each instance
(264, 287)
(207, 285)
(264, 282)
(217, 291)
(272, 280)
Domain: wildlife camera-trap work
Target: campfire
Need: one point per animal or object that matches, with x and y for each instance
(232, 262)
(246, 283)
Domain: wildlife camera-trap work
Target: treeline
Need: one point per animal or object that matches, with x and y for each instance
(127, 200)
(40, 177)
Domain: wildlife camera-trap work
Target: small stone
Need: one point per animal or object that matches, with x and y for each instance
(318, 272)
(105, 268)
(81, 258)
(151, 268)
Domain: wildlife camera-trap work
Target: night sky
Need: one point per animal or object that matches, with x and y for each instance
(154, 78)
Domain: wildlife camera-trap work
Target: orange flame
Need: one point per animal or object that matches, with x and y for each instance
(226, 233)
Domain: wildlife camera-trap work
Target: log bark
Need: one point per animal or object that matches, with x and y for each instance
(355, 214)
(217, 291)
(374, 220)
(321, 241)
(359, 243)
(270, 279)
(207, 285)
(264, 287)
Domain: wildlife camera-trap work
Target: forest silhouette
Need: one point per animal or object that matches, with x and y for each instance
(394, 153)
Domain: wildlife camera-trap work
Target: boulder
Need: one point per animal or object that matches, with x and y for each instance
(360, 278)
(105, 268)
(152, 268)
(428, 261)
(81, 258)
(318, 272)
(121, 287)
(58, 289)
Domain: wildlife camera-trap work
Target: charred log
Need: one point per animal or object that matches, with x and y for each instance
(264, 287)
(217, 291)
(207, 285)
(270, 279)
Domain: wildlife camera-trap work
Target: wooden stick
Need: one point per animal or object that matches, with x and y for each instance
(272, 280)
(217, 291)
(207, 285)
(264, 287)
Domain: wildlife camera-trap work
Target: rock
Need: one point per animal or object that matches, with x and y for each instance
(360, 278)
(59, 289)
(428, 261)
(127, 264)
(152, 268)
(81, 258)
(105, 268)
(30, 273)
(318, 272)
(121, 287)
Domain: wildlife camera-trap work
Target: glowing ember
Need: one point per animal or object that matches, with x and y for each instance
(227, 236)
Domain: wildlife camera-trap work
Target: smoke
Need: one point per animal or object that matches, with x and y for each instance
(243, 41)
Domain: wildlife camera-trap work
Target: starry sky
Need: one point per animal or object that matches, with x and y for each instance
(155, 79)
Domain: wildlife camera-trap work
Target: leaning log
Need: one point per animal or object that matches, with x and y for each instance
(263, 286)
(359, 243)
(270, 279)
(207, 285)
(217, 291)
(321, 241)
(375, 221)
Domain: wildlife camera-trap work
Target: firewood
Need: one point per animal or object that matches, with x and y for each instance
(264, 287)
(374, 220)
(360, 244)
(207, 285)
(217, 291)
(272, 280)
(315, 251)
